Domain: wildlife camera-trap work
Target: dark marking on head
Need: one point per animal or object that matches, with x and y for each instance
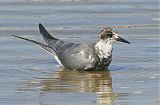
(106, 33)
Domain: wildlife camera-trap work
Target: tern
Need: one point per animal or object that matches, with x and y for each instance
(84, 56)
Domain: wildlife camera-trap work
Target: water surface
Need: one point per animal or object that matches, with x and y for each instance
(30, 76)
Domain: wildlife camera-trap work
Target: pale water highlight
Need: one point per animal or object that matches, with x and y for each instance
(30, 76)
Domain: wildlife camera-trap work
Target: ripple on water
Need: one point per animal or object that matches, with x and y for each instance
(29, 76)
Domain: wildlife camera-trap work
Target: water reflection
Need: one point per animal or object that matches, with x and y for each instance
(99, 82)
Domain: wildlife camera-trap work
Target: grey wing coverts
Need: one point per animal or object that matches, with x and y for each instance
(78, 57)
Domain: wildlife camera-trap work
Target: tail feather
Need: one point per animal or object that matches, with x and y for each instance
(45, 47)
(47, 37)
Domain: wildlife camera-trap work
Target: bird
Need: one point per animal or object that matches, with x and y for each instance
(80, 56)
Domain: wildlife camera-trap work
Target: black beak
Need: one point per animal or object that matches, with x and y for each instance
(122, 40)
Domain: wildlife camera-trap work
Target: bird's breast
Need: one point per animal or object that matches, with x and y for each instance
(103, 50)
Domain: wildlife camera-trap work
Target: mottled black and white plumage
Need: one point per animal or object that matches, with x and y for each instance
(80, 56)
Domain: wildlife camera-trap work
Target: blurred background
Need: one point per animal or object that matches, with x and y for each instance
(30, 76)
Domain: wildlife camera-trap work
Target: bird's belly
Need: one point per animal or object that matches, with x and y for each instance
(78, 62)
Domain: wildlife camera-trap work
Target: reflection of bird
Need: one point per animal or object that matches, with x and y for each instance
(81, 56)
(99, 82)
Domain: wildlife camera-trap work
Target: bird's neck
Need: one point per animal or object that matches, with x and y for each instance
(104, 48)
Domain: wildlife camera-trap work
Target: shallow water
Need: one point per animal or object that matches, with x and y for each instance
(30, 76)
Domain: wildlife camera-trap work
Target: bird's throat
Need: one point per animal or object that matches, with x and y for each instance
(104, 49)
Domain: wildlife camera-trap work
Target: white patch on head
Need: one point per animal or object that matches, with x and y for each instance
(116, 35)
(104, 48)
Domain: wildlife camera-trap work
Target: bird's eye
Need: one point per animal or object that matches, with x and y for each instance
(109, 34)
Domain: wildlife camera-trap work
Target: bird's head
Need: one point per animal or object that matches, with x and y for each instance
(108, 34)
